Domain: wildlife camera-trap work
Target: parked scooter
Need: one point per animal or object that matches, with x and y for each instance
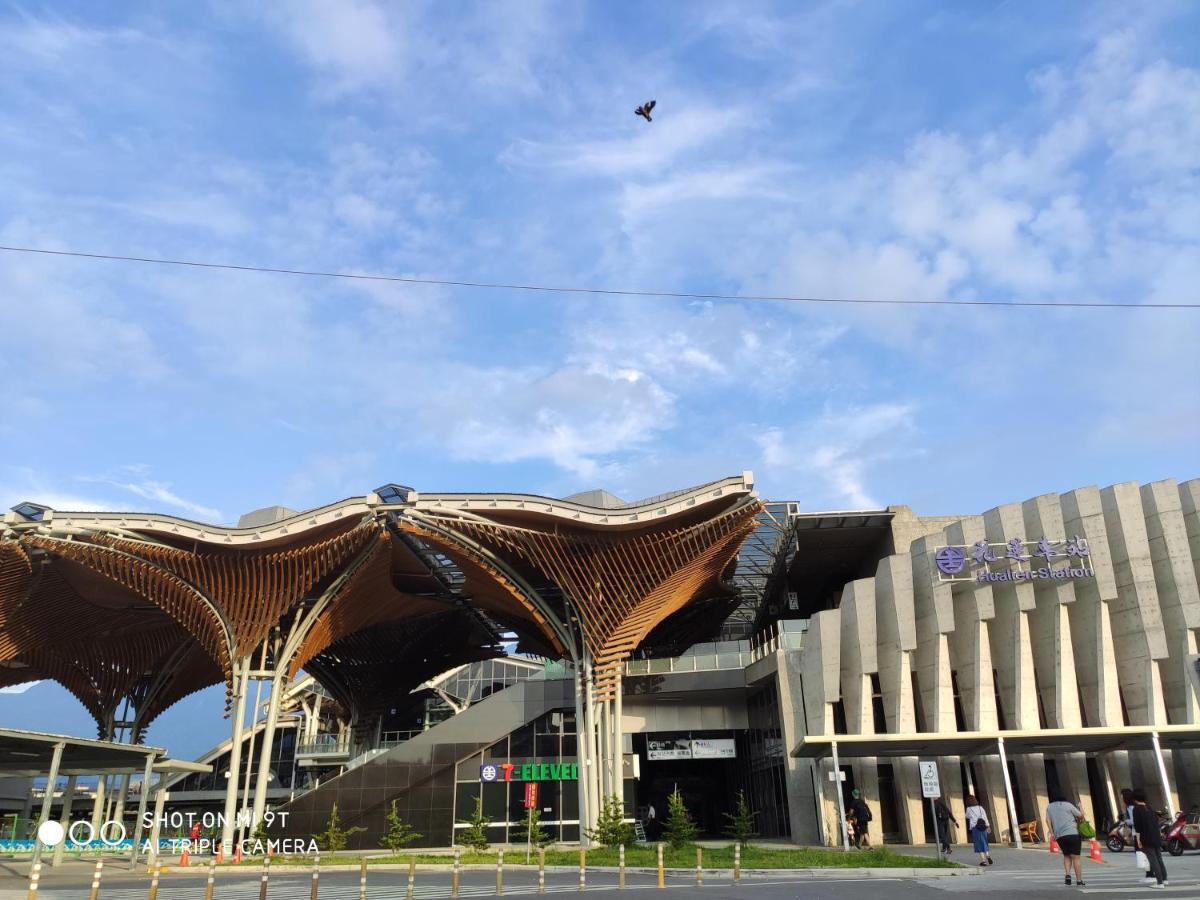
(1184, 834)
(1120, 835)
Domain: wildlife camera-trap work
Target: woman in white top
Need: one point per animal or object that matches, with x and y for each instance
(977, 827)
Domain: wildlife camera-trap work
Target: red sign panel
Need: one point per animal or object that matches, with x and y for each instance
(531, 792)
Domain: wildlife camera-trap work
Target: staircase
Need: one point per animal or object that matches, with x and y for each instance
(419, 774)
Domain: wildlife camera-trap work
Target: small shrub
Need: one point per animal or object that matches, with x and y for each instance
(532, 828)
(399, 833)
(335, 837)
(739, 824)
(475, 834)
(611, 828)
(679, 829)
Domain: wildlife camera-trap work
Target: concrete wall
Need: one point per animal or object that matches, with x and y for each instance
(1121, 646)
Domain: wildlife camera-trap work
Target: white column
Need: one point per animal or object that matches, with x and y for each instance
(581, 754)
(245, 804)
(65, 819)
(240, 676)
(143, 797)
(1008, 792)
(268, 741)
(98, 803)
(1162, 775)
(837, 788)
(160, 800)
(51, 784)
(619, 737)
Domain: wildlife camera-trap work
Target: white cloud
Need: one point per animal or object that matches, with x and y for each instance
(580, 419)
(19, 688)
(828, 459)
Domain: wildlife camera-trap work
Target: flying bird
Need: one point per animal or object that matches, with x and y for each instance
(644, 110)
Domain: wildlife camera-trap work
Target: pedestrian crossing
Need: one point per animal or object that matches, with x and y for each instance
(1096, 881)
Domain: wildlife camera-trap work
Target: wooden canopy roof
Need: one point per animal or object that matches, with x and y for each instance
(146, 608)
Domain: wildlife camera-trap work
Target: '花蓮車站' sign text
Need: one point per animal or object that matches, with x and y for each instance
(1015, 560)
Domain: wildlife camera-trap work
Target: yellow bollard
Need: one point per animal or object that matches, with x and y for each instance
(499, 872)
(621, 868)
(737, 862)
(35, 874)
(454, 875)
(582, 869)
(212, 872)
(96, 880)
(412, 879)
(362, 879)
(316, 879)
(699, 867)
(154, 883)
(266, 873)
(541, 870)
(662, 883)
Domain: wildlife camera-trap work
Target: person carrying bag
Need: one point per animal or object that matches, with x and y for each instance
(977, 826)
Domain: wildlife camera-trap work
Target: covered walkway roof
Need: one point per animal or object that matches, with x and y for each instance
(976, 743)
(25, 754)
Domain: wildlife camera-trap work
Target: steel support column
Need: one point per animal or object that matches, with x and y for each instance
(65, 819)
(143, 798)
(268, 741)
(1008, 792)
(837, 788)
(48, 800)
(1162, 775)
(241, 674)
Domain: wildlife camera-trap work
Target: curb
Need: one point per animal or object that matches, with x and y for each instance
(720, 874)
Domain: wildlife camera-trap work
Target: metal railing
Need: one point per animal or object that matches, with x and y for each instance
(330, 744)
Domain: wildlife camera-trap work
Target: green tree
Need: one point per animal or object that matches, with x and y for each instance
(475, 834)
(611, 828)
(335, 837)
(679, 829)
(532, 828)
(739, 824)
(398, 831)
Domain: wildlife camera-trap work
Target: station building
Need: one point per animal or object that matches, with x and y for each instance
(425, 650)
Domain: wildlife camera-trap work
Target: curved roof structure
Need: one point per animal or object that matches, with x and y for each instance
(146, 608)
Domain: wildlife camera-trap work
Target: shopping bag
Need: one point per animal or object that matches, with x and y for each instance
(1140, 861)
(1086, 830)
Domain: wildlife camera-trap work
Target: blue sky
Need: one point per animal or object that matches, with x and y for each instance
(917, 150)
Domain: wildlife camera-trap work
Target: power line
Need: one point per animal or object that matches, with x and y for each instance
(612, 292)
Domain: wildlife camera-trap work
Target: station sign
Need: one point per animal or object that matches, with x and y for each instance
(529, 771)
(1014, 560)
(659, 748)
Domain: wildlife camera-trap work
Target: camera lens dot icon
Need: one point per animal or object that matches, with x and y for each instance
(51, 833)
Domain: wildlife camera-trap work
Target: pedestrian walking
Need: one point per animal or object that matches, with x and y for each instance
(1062, 821)
(977, 827)
(1149, 839)
(944, 817)
(1127, 799)
(862, 816)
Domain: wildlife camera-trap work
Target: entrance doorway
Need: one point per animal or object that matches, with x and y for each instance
(708, 786)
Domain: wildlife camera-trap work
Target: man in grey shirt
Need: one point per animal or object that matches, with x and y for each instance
(1062, 821)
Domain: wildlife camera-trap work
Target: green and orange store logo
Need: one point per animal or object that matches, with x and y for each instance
(529, 771)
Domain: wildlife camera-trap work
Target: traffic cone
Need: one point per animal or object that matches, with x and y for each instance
(220, 853)
(1053, 844)
(237, 855)
(1095, 854)
(184, 859)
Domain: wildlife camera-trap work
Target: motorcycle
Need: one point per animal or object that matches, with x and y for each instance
(1120, 835)
(1183, 834)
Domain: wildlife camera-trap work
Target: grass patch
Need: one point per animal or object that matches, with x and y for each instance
(643, 856)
